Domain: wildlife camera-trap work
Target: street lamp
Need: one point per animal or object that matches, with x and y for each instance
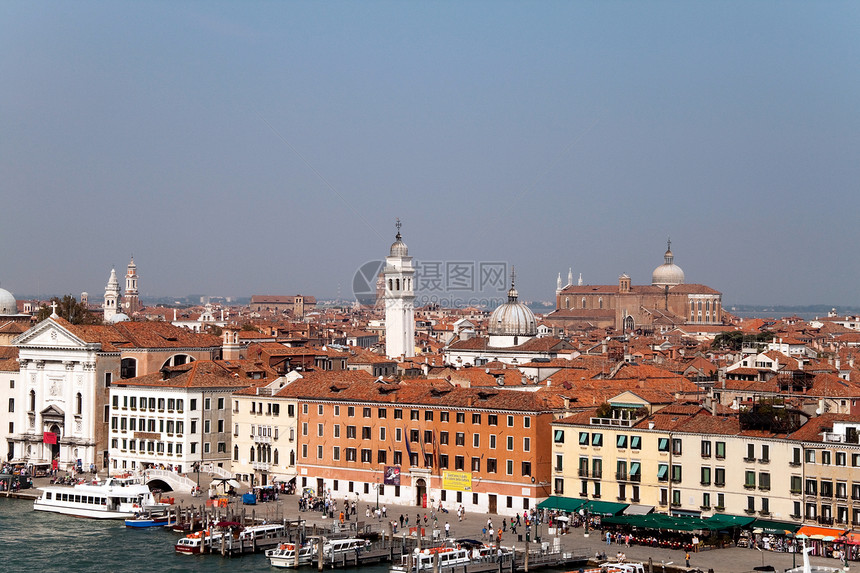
(376, 487)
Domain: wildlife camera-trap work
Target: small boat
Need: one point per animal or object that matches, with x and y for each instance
(192, 544)
(284, 555)
(147, 521)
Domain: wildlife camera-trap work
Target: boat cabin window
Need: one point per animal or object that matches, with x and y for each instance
(47, 495)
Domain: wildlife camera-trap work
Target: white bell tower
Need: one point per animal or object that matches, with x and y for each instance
(111, 296)
(399, 301)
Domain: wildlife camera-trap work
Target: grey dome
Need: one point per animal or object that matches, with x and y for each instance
(398, 247)
(119, 317)
(8, 304)
(667, 274)
(512, 318)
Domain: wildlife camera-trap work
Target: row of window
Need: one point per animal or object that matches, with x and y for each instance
(415, 415)
(718, 449)
(825, 488)
(153, 404)
(441, 461)
(151, 446)
(429, 436)
(122, 424)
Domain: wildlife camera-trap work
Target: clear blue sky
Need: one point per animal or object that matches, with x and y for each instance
(241, 148)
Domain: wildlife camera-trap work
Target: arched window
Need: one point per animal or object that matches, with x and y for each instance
(32, 400)
(79, 404)
(235, 453)
(600, 302)
(128, 368)
(292, 457)
(583, 302)
(397, 284)
(275, 458)
(252, 453)
(390, 284)
(567, 302)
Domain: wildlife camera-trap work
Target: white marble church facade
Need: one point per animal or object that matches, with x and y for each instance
(62, 389)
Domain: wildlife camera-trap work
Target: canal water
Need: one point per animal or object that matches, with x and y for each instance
(40, 541)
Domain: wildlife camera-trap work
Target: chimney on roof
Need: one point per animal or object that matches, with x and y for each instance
(651, 424)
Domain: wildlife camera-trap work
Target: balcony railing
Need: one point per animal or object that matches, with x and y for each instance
(611, 422)
(262, 439)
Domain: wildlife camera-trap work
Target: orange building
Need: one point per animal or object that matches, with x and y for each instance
(423, 442)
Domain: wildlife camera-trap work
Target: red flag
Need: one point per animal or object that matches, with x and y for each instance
(49, 438)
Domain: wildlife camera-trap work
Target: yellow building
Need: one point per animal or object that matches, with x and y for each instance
(681, 461)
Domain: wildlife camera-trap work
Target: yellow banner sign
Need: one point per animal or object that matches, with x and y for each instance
(457, 481)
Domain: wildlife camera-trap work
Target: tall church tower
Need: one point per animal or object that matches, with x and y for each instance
(399, 301)
(111, 296)
(130, 300)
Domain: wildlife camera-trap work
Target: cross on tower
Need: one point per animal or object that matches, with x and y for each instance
(669, 244)
(54, 308)
(398, 224)
(513, 274)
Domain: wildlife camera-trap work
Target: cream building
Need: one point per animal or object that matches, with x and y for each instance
(265, 434)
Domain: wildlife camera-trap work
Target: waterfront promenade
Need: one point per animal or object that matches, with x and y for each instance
(731, 560)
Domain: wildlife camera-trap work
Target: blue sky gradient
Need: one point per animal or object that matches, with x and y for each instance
(241, 148)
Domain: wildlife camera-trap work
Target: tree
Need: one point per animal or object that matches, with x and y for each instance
(70, 309)
(736, 340)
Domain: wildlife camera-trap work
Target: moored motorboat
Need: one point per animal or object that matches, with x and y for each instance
(142, 521)
(194, 543)
(284, 555)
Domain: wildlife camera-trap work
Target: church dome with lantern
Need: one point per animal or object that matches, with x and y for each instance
(398, 247)
(512, 322)
(668, 274)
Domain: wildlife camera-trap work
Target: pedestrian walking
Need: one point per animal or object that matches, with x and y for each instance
(447, 530)
(687, 558)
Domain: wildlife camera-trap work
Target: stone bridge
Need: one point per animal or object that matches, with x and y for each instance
(168, 481)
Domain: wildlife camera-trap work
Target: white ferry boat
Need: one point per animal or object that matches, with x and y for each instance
(115, 498)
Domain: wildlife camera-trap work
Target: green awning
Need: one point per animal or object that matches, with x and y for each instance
(657, 521)
(604, 507)
(722, 521)
(661, 521)
(777, 527)
(569, 504)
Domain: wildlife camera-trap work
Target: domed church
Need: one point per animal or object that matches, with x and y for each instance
(512, 322)
(512, 330)
(664, 304)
